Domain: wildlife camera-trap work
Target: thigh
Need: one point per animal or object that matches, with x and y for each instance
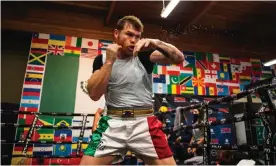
(148, 139)
(155, 161)
(89, 160)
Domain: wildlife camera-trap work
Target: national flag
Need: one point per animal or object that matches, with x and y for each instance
(198, 82)
(90, 43)
(186, 70)
(28, 109)
(39, 43)
(72, 51)
(201, 56)
(173, 89)
(224, 59)
(63, 121)
(211, 57)
(31, 75)
(42, 150)
(236, 68)
(44, 134)
(22, 133)
(243, 84)
(256, 65)
(222, 90)
(62, 161)
(235, 61)
(63, 135)
(41, 35)
(39, 161)
(35, 68)
(77, 121)
(31, 105)
(75, 146)
(33, 81)
(186, 89)
(223, 75)
(161, 69)
(199, 90)
(62, 149)
(89, 53)
(185, 79)
(31, 90)
(213, 65)
(18, 149)
(235, 77)
(73, 41)
(60, 82)
(211, 89)
(55, 50)
(234, 90)
(160, 88)
(103, 44)
(191, 63)
(171, 79)
(173, 70)
(45, 120)
(210, 76)
(30, 100)
(21, 161)
(225, 67)
(57, 40)
(37, 59)
(159, 78)
(39, 51)
(245, 77)
(200, 73)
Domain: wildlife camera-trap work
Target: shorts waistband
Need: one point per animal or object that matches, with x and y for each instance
(129, 112)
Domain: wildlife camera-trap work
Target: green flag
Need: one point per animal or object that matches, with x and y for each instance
(59, 86)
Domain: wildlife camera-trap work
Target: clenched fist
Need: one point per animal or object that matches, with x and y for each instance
(112, 52)
(144, 45)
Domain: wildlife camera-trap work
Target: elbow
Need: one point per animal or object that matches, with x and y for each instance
(94, 98)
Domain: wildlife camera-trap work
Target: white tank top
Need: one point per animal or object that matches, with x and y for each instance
(130, 85)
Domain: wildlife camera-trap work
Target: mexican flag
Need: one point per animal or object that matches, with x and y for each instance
(55, 81)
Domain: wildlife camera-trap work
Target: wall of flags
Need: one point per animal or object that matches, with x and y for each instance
(59, 66)
(208, 74)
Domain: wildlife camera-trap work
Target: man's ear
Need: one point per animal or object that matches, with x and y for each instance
(116, 34)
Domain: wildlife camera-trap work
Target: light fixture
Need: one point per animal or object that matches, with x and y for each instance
(269, 63)
(168, 9)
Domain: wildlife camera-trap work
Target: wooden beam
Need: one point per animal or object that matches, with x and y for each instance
(201, 10)
(110, 12)
(81, 5)
(90, 26)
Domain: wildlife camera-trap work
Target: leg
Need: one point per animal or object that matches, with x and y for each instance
(155, 161)
(89, 160)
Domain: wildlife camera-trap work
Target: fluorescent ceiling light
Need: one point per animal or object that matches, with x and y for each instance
(169, 8)
(269, 63)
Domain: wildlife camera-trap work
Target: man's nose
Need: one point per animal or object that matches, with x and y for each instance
(132, 40)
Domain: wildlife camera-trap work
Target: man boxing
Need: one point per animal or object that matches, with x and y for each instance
(123, 75)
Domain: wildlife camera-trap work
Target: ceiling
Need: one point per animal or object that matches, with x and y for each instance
(242, 21)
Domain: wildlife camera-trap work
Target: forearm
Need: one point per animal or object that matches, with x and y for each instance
(95, 122)
(170, 52)
(97, 84)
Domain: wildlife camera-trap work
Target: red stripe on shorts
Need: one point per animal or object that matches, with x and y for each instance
(158, 138)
